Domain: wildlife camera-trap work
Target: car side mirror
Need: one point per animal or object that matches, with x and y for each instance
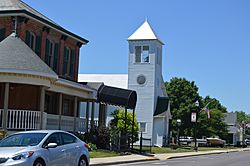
(51, 145)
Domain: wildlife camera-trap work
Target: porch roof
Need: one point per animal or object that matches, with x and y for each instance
(17, 57)
(117, 96)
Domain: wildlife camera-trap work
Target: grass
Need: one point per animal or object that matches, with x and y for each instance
(103, 153)
(156, 150)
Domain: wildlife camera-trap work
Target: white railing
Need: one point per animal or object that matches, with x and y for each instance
(80, 124)
(67, 123)
(31, 120)
(1, 118)
(52, 122)
(23, 119)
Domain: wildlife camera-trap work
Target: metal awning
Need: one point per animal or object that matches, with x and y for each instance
(117, 96)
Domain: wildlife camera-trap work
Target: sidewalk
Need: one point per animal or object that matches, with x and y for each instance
(139, 158)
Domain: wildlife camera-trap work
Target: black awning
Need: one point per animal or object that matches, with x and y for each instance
(162, 105)
(117, 96)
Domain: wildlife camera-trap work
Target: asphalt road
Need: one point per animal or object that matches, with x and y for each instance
(225, 159)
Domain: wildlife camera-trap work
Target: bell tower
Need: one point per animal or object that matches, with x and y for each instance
(145, 76)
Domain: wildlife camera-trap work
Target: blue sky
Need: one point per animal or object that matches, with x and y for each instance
(207, 41)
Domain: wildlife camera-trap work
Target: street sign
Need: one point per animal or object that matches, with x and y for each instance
(193, 117)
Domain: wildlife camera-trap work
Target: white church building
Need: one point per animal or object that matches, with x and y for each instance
(145, 77)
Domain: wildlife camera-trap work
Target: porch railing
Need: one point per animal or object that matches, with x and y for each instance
(23, 119)
(31, 120)
(52, 122)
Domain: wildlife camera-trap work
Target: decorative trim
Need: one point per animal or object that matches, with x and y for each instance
(46, 29)
(64, 37)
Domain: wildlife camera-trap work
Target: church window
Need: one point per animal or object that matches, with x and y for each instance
(142, 54)
(143, 127)
(145, 54)
(137, 53)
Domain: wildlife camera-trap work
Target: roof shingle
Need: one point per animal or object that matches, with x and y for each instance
(17, 57)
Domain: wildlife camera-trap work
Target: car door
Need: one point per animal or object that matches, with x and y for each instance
(55, 156)
(71, 147)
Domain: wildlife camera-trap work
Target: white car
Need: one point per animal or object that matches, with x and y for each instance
(43, 148)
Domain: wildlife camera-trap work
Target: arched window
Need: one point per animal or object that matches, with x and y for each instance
(34, 42)
(68, 62)
(51, 54)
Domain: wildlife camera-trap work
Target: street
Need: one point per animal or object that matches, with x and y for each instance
(225, 159)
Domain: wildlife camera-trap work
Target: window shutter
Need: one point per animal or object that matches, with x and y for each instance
(2, 34)
(137, 53)
(38, 45)
(47, 61)
(55, 65)
(27, 39)
(72, 62)
(65, 61)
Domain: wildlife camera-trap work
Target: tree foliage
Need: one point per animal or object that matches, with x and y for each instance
(183, 95)
(118, 123)
(242, 116)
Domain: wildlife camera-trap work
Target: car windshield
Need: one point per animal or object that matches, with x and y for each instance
(22, 139)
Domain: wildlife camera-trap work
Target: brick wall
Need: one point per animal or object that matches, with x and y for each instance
(44, 32)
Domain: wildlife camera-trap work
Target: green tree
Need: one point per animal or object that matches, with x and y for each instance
(118, 123)
(242, 116)
(183, 94)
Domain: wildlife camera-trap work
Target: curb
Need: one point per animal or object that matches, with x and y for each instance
(190, 155)
(153, 158)
(126, 162)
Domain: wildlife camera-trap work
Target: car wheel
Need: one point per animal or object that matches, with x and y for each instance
(83, 161)
(39, 162)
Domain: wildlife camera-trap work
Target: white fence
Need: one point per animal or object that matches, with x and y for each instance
(23, 119)
(31, 120)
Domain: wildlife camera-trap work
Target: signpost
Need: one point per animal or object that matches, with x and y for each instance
(193, 117)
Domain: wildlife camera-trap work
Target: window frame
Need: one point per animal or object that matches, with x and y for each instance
(32, 40)
(50, 53)
(141, 56)
(145, 128)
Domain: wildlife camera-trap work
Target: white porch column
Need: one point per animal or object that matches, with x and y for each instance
(92, 123)
(60, 110)
(6, 105)
(75, 112)
(42, 102)
(87, 116)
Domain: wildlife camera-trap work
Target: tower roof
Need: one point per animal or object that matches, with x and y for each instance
(19, 8)
(144, 32)
(17, 57)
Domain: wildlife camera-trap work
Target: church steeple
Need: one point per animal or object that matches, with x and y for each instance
(144, 32)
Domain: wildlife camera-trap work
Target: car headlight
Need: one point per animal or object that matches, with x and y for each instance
(23, 155)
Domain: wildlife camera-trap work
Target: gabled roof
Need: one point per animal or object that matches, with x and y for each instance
(144, 32)
(17, 57)
(17, 7)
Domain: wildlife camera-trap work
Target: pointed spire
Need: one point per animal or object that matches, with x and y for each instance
(144, 32)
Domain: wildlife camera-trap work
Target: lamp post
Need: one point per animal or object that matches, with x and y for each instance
(195, 125)
(178, 121)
